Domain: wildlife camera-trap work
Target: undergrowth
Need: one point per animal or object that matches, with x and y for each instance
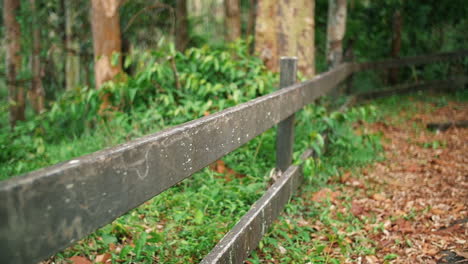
(182, 224)
(292, 239)
(170, 88)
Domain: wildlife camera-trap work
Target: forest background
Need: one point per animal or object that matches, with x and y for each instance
(83, 75)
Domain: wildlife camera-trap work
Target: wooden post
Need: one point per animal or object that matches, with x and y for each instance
(285, 133)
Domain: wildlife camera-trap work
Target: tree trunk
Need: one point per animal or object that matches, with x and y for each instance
(266, 45)
(106, 40)
(72, 46)
(397, 22)
(336, 28)
(250, 33)
(305, 36)
(251, 20)
(181, 32)
(286, 29)
(36, 94)
(13, 60)
(232, 20)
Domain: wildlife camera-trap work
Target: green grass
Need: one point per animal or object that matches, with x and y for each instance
(182, 224)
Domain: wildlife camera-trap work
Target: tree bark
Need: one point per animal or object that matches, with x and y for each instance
(106, 40)
(72, 46)
(305, 34)
(397, 23)
(36, 94)
(286, 29)
(232, 19)
(13, 60)
(336, 28)
(251, 21)
(181, 32)
(266, 43)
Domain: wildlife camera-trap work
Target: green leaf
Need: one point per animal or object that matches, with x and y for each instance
(172, 50)
(108, 239)
(132, 94)
(128, 61)
(198, 219)
(140, 243)
(390, 256)
(319, 249)
(155, 237)
(115, 58)
(317, 137)
(125, 251)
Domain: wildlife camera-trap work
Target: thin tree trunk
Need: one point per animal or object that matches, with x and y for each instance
(336, 28)
(232, 20)
(397, 23)
(72, 47)
(37, 95)
(13, 60)
(251, 24)
(285, 28)
(251, 20)
(106, 40)
(181, 32)
(266, 39)
(305, 32)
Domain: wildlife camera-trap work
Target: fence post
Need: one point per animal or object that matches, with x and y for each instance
(285, 132)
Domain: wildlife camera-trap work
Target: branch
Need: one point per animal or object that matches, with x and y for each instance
(445, 126)
(176, 74)
(147, 8)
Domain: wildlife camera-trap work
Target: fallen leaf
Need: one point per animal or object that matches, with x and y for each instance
(112, 246)
(462, 254)
(413, 168)
(356, 209)
(355, 183)
(282, 250)
(431, 252)
(372, 260)
(403, 226)
(104, 258)
(302, 223)
(378, 197)
(220, 166)
(437, 211)
(325, 194)
(345, 177)
(79, 260)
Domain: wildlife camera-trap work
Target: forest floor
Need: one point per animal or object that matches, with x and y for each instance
(411, 207)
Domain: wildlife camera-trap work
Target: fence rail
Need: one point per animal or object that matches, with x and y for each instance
(47, 210)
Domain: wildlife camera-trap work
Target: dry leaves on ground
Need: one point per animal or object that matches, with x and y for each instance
(421, 189)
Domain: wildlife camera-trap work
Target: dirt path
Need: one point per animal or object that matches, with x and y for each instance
(419, 194)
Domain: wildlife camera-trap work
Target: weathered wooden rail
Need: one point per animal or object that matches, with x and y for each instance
(45, 211)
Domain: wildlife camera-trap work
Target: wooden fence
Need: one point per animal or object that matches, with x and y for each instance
(47, 210)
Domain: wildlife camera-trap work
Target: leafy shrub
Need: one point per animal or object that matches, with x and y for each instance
(170, 88)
